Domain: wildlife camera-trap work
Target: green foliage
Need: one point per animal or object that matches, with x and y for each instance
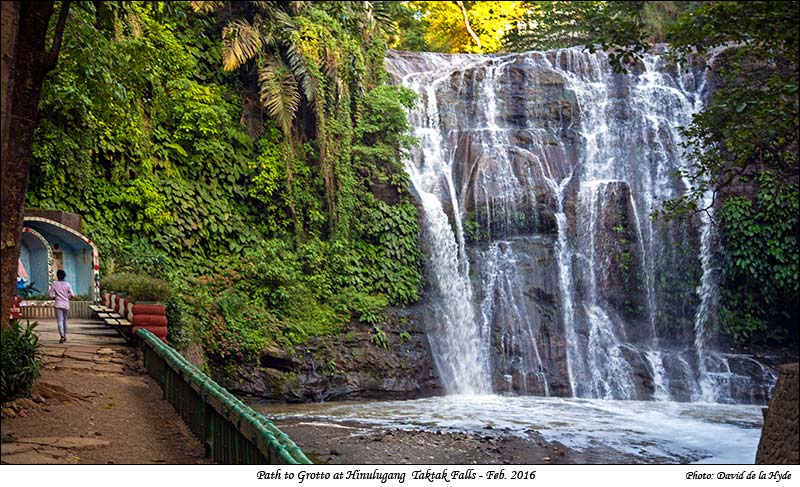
(137, 135)
(658, 17)
(750, 124)
(275, 293)
(136, 255)
(329, 367)
(364, 307)
(179, 332)
(409, 31)
(387, 259)
(743, 147)
(473, 230)
(624, 29)
(20, 362)
(760, 280)
(243, 320)
(270, 295)
(138, 287)
(379, 338)
(147, 203)
(381, 135)
(272, 223)
(210, 311)
(551, 25)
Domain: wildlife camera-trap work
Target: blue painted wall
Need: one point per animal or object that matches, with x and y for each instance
(77, 263)
(76, 256)
(33, 255)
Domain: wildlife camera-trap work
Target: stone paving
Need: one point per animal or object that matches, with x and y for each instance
(94, 363)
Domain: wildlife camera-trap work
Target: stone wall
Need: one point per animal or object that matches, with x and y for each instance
(780, 437)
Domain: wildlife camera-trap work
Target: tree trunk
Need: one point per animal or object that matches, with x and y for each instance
(469, 27)
(26, 61)
(10, 24)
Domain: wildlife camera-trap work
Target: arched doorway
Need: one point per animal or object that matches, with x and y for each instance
(37, 258)
(71, 251)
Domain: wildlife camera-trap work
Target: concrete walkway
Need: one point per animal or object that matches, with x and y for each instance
(79, 332)
(94, 404)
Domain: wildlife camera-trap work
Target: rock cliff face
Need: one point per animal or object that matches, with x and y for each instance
(363, 363)
(780, 437)
(536, 175)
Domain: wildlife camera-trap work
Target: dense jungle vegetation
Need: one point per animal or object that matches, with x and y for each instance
(250, 153)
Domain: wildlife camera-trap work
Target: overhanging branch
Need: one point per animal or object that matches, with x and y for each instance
(51, 58)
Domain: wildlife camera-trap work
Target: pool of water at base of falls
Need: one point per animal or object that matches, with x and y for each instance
(644, 431)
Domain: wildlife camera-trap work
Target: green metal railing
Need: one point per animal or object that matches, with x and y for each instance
(230, 430)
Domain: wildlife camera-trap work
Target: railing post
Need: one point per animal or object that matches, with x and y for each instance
(208, 421)
(230, 430)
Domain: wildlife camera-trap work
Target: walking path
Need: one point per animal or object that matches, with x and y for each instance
(94, 404)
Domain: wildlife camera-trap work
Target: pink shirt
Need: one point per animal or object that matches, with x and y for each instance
(62, 292)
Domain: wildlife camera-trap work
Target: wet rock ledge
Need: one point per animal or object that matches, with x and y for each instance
(390, 361)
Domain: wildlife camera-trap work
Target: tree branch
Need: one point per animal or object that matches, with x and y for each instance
(51, 58)
(466, 23)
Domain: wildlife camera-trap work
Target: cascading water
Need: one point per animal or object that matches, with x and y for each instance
(536, 174)
(462, 367)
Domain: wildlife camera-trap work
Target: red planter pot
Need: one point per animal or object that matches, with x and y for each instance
(149, 320)
(150, 316)
(149, 309)
(159, 331)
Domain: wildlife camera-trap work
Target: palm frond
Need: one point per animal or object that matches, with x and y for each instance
(298, 66)
(135, 24)
(251, 118)
(298, 7)
(279, 95)
(341, 89)
(281, 21)
(264, 6)
(368, 16)
(205, 7)
(241, 42)
(384, 14)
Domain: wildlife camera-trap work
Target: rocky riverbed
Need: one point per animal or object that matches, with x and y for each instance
(359, 443)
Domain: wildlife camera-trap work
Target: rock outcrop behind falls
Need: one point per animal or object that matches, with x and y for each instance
(548, 166)
(388, 361)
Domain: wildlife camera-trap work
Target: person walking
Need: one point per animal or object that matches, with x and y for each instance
(61, 291)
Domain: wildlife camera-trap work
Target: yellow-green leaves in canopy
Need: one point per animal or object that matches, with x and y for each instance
(450, 23)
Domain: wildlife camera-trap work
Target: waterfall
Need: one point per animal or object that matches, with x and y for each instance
(536, 174)
(454, 334)
(709, 299)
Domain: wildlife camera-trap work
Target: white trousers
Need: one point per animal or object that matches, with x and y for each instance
(61, 319)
